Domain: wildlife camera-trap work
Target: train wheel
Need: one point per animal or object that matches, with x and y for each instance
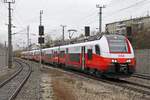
(91, 71)
(86, 70)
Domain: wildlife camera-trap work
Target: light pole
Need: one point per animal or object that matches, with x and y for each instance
(9, 32)
(100, 16)
(63, 32)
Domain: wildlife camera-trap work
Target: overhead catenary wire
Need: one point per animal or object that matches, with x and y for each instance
(15, 18)
(142, 2)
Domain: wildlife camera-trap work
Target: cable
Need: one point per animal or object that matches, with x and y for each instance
(122, 9)
(16, 4)
(128, 7)
(133, 5)
(116, 12)
(88, 16)
(14, 17)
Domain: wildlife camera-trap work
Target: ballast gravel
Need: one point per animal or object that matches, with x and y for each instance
(66, 86)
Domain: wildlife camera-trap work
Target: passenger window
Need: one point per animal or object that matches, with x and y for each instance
(62, 53)
(66, 50)
(97, 49)
(89, 54)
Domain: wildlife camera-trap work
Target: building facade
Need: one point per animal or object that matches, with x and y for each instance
(134, 25)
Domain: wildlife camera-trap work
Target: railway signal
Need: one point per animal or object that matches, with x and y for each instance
(87, 31)
(41, 30)
(41, 34)
(41, 38)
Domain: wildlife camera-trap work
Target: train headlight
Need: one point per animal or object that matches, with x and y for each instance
(128, 61)
(114, 61)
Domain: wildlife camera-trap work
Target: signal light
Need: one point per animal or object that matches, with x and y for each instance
(41, 40)
(87, 31)
(41, 30)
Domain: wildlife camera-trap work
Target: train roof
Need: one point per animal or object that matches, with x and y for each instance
(92, 42)
(83, 43)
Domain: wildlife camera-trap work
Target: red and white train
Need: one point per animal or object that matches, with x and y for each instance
(111, 55)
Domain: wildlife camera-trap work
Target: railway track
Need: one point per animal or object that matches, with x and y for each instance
(11, 86)
(136, 87)
(142, 76)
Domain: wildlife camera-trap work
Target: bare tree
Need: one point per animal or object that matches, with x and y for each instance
(48, 41)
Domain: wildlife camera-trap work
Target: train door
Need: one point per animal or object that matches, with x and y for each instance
(83, 57)
(58, 54)
(67, 57)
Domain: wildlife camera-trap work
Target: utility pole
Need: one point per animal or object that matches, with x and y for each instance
(40, 41)
(6, 54)
(41, 12)
(9, 32)
(63, 32)
(28, 28)
(100, 17)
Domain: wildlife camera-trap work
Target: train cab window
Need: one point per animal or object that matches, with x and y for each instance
(89, 54)
(117, 44)
(97, 49)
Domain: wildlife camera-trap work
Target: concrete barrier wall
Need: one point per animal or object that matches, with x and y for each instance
(143, 61)
(3, 55)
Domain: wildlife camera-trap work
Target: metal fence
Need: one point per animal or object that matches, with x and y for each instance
(143, 61)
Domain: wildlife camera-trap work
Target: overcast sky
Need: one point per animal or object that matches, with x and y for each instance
(74, 13)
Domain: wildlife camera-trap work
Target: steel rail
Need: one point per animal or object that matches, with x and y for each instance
(11, 77)
(141, 76)
(26, 74)
(22, 83)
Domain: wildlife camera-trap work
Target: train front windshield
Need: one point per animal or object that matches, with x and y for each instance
(117, 43)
